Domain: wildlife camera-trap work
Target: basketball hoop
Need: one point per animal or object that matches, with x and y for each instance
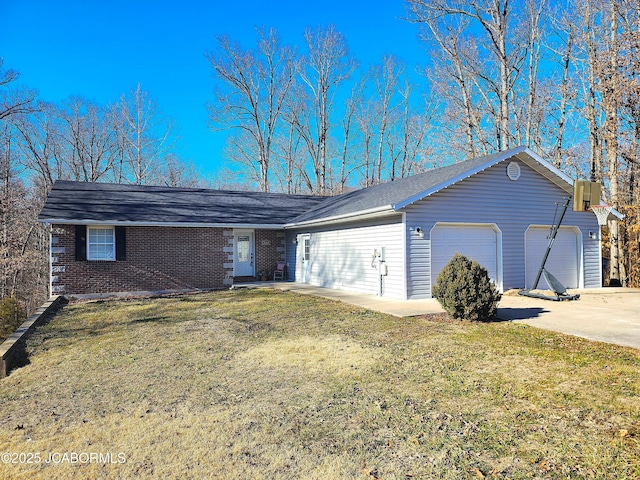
(602, 213)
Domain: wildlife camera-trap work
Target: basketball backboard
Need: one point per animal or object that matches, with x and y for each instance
(585, 195)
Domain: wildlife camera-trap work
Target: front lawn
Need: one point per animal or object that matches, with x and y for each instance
(257, 384)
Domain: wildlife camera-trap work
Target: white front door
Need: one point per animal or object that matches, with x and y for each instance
(304, 242)
(243, 253)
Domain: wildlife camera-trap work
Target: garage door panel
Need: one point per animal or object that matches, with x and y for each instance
(563, 261)
(477, 242)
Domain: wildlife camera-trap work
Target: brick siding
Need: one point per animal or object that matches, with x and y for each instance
(269, 250)
(158, 258)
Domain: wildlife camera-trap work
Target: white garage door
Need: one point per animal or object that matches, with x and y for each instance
(478, 242)
(563, 261)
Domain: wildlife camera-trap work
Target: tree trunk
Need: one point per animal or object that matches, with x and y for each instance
(611, 101)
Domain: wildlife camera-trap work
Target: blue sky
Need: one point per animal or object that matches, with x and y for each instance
(102, 49)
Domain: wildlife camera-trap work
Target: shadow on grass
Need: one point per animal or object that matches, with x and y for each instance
(19, 356)
(509, 314)
(85, 324)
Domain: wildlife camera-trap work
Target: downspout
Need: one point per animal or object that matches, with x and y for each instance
(405, 294)
(286, 263)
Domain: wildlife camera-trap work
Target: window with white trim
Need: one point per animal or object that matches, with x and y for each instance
(306, 248)
(101, 243)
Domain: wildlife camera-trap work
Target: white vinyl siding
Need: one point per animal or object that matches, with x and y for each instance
(342, 258)
(101, 243)
(491, 197)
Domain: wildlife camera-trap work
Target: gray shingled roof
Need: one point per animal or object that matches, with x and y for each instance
(394, 194)
(100, 202)
(78, 202)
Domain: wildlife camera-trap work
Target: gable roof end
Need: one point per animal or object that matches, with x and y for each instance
(390, 197)
(522, 153)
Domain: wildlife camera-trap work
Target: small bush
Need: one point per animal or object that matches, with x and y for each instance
(11, 316)
(465, 291)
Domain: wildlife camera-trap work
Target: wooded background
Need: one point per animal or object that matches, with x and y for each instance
(560, 79)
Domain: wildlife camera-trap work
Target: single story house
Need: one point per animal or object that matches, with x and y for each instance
(390, 239)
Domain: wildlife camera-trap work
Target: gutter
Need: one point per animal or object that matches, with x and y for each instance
(377, 212)
(60, 221)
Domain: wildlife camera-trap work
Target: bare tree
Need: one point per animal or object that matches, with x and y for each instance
(253, 87)
(22, 239)
(623, 67)
(14, 101)
(534, 11)
(22, 269)
(327, 65)
(588, 60)
(289, 151)
(565, 30)
(606, 27)
(242, 151)
(449, 67)
(88, 139)
(178, 173)
(413, 132)
(40, 145)
(494, 59)
(145, 136)
(347, 165)
(386, 80)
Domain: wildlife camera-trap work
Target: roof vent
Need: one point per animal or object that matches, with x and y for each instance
(513, 171)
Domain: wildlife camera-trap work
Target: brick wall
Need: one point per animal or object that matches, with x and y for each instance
(159, 258)
(269, 250)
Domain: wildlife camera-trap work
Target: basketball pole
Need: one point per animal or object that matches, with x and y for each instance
(552, 237)
(554, 284)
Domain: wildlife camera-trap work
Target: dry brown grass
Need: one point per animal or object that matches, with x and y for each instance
(262, 384)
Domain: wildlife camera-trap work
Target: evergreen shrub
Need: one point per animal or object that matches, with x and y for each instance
(465, 291)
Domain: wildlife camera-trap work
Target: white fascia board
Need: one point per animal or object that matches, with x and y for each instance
(556, 171)
(267, 226)
(514, 152)
(426, 193)
(361, 215)
(566, 178)
(451, 181)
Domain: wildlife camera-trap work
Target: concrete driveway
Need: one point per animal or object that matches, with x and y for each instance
(606, 314)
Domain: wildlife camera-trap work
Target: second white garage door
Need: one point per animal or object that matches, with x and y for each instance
(563, 261)
(478, 242)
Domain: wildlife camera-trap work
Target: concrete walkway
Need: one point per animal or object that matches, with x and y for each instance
(399, 308)
(606, 314)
